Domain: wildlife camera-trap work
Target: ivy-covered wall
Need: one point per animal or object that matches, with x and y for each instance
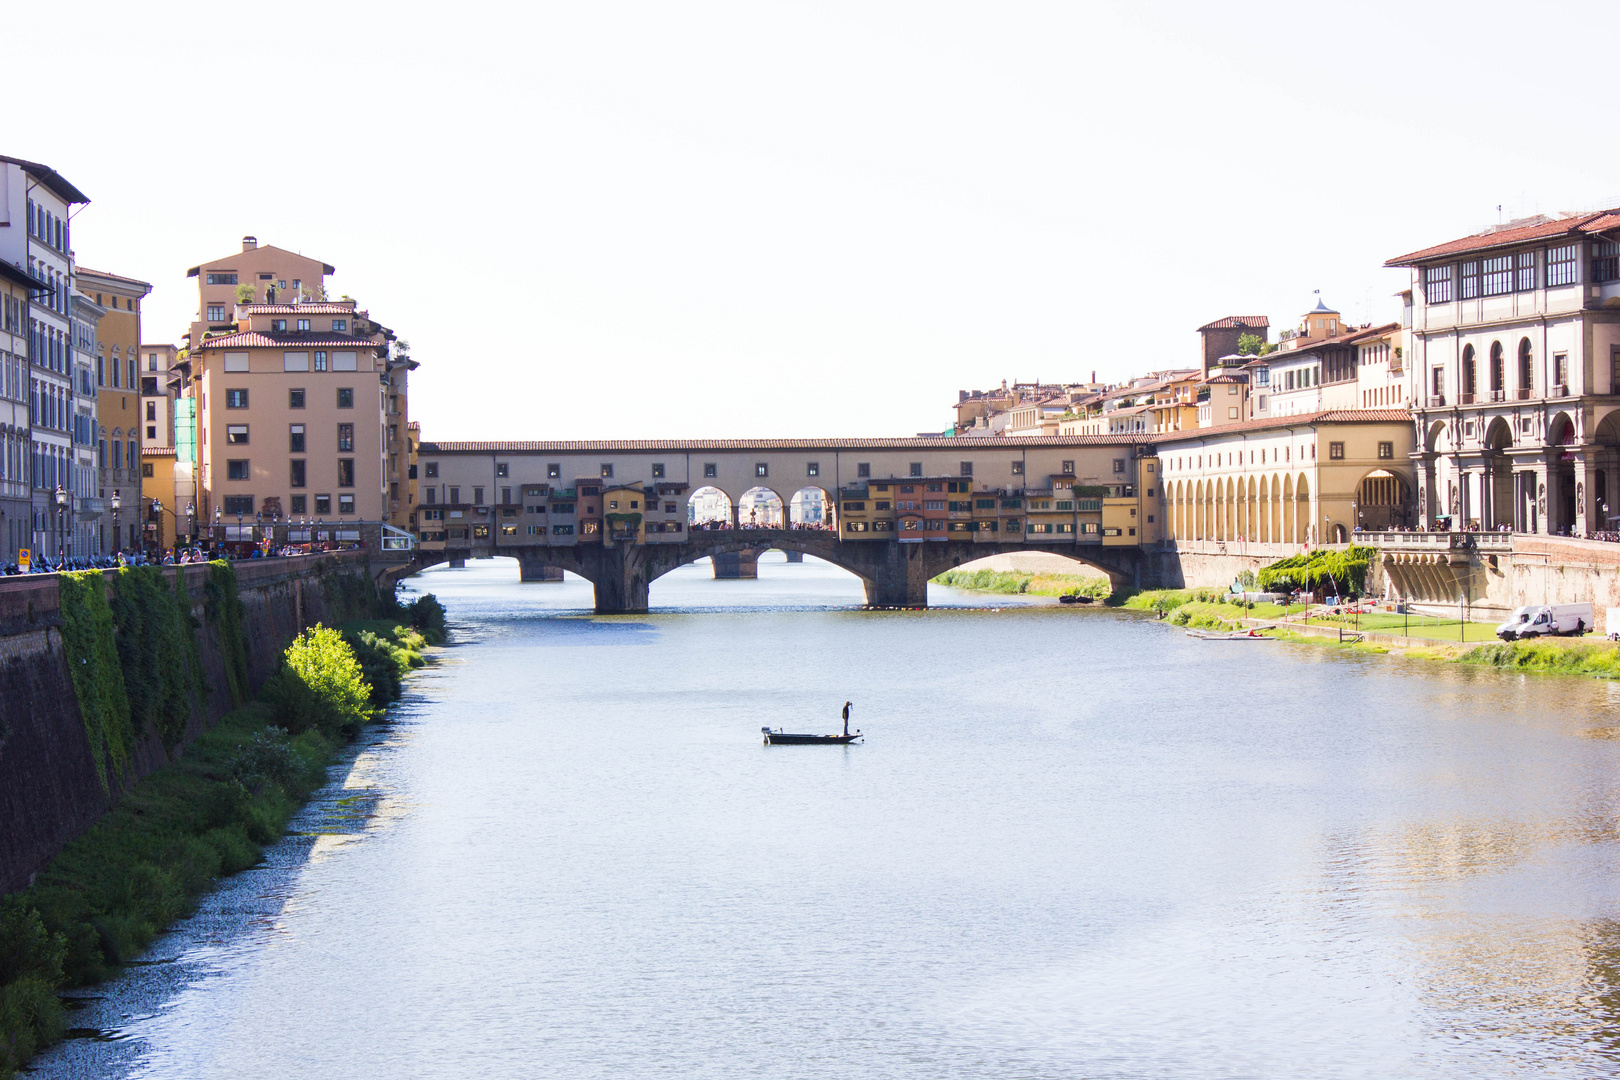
(106, 676)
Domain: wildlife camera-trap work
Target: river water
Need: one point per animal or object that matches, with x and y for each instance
(1077, 843)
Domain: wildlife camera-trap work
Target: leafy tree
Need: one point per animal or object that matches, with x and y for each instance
(244, 294)
(321, 686)
(1249, 344)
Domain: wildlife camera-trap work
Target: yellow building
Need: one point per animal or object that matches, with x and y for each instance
(120, 431)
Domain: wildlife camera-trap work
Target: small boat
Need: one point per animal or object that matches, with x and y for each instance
(783, 738)
(1071, 598)
(1230, 635)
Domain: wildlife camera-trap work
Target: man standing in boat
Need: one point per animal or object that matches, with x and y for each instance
(846, 719)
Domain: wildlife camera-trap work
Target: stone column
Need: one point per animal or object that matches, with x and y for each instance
(532, 569)
(1538, 493)
(1586, 511)
(901, 577)
(1426, 491)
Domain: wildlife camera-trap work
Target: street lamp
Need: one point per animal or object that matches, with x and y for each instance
(156, 508)
(191, 527)
(117, 500)
(61, 517)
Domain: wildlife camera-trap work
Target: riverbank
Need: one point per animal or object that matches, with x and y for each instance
(1015, 582)
(202, 817)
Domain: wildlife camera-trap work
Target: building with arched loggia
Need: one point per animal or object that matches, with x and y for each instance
(1516, 367)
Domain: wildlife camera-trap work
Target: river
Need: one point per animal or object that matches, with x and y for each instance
(1076, 843)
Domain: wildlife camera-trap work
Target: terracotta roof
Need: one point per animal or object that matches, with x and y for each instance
(81, 271)
(347, 307)
(157, 451)
(1328, 416)
(1234, 322)
(1538, 228)
(676, 445)
(1227, 379)
(251, 339)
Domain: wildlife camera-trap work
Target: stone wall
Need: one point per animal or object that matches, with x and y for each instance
(49, 789)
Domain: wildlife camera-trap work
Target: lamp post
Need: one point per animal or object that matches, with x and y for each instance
(216, 537)
(61, 517)
(156, 508)
(117, 501)
(191, 524)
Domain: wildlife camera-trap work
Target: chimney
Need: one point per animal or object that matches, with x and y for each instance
(249, 243)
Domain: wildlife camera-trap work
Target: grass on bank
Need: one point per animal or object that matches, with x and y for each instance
(1418, 626)
(109, 892)
(1011, 582)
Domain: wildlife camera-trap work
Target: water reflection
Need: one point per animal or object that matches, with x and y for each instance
(1076, 843)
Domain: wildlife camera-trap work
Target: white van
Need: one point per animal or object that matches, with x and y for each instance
(1541, 620)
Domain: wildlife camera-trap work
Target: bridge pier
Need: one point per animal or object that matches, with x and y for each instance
(458, 564)
(735, 565)
(535, 570)
(901, 576)
(794, 556)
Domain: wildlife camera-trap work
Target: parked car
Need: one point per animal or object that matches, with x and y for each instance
(1543, 620)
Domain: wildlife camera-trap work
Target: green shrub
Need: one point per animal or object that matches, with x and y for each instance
(321, 686)
(158, 652)
(1584, 658)
(268, 759)
(30, 972)
(380, 665)
(1344, 570)
(427, 615)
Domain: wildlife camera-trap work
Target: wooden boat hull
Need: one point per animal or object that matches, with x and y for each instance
(784, 738)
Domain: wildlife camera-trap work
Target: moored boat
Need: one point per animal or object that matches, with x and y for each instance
(785, 738)
(1229, 635)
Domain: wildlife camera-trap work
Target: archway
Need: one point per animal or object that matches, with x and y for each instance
(1561, 501)
(1498, 510)
(1605, 499)
(708, 508)
(760, 508)
(812, 508)
(1303, 528)
(1384, 501)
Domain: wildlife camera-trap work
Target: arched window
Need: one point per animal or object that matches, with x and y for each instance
(1526, 369)
(1466, 390)
(1497, 374)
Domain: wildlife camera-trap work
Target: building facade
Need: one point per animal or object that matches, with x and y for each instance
(120, 429)
(1515, 368)
(38, 203)
(16, 434)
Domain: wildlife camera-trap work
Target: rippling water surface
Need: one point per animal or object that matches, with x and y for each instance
(1076, 844)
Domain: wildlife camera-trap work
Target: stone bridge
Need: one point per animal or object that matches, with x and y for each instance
(895, 573)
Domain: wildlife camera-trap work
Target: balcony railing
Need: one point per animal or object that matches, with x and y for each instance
(1561, 390)
(1436, 541)
(1524, 393)
(1436, 400)
(1498, 395)
(1464, 399)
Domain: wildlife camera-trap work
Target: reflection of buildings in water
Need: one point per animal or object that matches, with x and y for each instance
(1504, 961)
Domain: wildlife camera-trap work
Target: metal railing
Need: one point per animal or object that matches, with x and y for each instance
(1436, 400)
(1436, 541)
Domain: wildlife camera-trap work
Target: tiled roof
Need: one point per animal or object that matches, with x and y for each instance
(80, 271)
(50, 178)
(1539, 228)
(347, 307)
(631, 446)
(251, 339)
(157, 451)
(1234, 322)
(1328, 416)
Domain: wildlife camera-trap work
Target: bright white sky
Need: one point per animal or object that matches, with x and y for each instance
(771, 219)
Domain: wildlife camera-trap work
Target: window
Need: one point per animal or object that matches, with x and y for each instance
(967, 468)
(478, 496)
(562, 530)
(1561, 262)
(863, 469)
(295, 473)
(295, 399)
(237, 469)
(1437, 284)
(1018, 468)
(1526, 368)
(607, 471)
(506, 496)
(295, 438)
(345, 397)
(1119, 465)
(1606, 260)
(346, 506)
(345, 472)
(344, 361)
(323, 504)
(502, 469)
(340, 326)
(298, 504)
(345, 437)
(303, 324)
(1527, 271)
(1468, 280)
(1561, 373)
(1231, 412)
(320, 361)
(812, 468)
(1068, 468)
(228, 278)
(1386, 451)
(236, 434)
(553, 470)
(216, 312)
(151, 410)
(278, 326)
(1499, 275)
(295, 361)
(761, 469)
(1336, 451)
(233, 362)
(916, 468)
(658, 470)
(236, 399)
(432, 470)
(239, 504)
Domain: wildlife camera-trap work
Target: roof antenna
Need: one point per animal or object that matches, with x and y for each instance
(1499, 213)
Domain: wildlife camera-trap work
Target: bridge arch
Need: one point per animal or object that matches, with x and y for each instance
(761, 506)
(812, 506)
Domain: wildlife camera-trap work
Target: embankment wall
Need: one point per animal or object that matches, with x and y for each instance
(50, 790)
